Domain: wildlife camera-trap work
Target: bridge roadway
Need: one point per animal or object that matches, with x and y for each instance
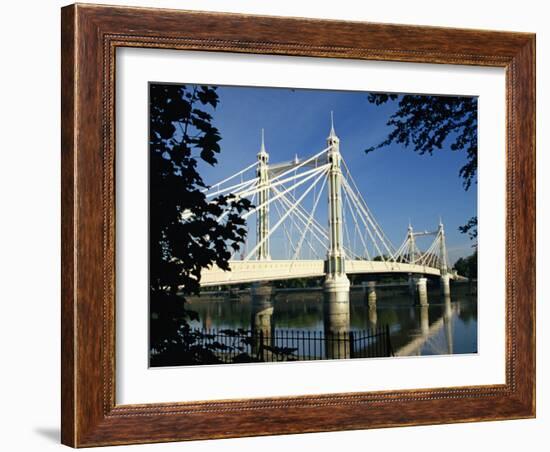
(271, 270)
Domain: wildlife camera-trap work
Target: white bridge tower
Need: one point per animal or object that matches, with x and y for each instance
(445, 277)
(263, 201)
(336, 286)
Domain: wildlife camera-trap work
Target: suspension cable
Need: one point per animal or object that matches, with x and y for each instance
(308, 225)
(287, 213)
(231, 177)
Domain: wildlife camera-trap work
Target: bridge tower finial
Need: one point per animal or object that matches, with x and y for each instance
(262, 218)
(332, 137)
(263, 155)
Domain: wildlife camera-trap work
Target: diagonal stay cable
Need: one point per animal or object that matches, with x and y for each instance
(303, 219)
(314, 173)
(357, 228)
(300, 165)
(304, 213)
(246, 239)
(311, 216)
(377, 231)
(355, 202)
(362, 199)
(227, 179)
(243, 186)
(295, 224)
(287, 213)
(284, 227)
(269, 201)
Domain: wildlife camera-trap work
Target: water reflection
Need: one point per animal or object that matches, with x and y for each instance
(262, 297)
(448, 326)
(373, 316)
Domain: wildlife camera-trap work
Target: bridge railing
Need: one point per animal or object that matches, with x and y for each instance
(239, 346)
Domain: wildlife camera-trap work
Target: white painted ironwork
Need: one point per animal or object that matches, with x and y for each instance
(288, 186)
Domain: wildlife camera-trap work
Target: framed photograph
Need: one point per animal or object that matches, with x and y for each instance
(281, 225)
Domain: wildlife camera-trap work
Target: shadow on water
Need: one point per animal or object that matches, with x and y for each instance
(444, 327)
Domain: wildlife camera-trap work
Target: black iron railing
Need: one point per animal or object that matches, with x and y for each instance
(294, 345)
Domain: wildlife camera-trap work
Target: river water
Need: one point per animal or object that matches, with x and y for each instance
(443, 327)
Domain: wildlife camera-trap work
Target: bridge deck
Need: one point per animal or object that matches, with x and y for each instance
(251, 271)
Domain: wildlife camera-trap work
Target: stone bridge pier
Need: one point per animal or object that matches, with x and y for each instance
(418, 286)
(445, 283)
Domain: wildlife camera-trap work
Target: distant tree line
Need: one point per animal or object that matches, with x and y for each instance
(467, 266)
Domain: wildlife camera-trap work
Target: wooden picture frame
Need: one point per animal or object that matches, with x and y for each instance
(90, 36)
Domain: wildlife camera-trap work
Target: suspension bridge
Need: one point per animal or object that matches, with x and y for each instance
(341, 239)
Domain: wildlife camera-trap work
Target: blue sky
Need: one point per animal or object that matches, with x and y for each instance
(398, 184)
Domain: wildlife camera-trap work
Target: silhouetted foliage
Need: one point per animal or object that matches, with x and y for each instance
(470, 228)
(185, 235)
(428, 123)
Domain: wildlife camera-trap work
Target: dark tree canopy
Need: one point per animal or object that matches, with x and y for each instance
(185, 235)
(470, 228)
(430, 123)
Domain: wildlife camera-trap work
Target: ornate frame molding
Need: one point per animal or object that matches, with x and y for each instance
(90, 36)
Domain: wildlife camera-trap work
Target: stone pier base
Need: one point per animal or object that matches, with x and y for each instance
(445, 283)
(422, 291)
(418, 287)
(336, 316)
